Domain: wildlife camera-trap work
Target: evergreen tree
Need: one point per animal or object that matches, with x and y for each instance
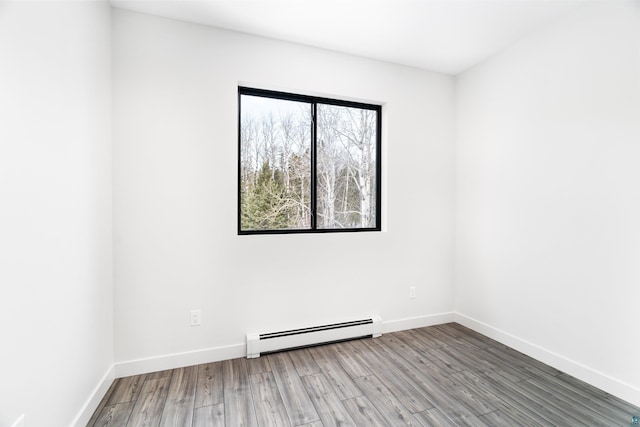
(264, 205)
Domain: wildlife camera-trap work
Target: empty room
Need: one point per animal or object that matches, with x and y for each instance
(338, 213)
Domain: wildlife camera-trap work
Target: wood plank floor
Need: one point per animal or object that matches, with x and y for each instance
(445, 375)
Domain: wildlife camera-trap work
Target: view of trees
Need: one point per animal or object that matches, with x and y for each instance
(346, 172)
(275, 165)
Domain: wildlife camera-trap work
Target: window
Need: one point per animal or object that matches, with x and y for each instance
(307, 164)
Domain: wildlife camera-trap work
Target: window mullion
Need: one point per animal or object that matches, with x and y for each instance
(314, 151)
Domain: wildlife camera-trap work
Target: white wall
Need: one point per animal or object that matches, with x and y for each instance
(175, 195)
(56, 318)
(547, 236)
(546, 202)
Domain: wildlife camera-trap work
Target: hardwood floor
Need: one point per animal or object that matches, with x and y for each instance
(445, 375)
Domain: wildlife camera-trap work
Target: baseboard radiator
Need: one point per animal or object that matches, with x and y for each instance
(271, 342)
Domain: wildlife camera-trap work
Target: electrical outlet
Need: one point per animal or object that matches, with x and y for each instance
(195, 318)
(412, 292)
(19, 422)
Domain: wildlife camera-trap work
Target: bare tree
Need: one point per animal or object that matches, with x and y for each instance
(348, 157)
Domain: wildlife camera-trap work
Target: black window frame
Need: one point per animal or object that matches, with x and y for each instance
(314, 101)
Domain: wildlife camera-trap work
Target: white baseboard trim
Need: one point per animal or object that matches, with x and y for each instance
(416, 322)
(178, 360)
(591, 376)
(94, 399)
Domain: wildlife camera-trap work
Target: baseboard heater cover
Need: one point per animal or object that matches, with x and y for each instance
(270, 342)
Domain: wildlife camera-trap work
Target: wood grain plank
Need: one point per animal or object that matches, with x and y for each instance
(407, 392)
(513, 401)
(304, 363)
(434, 418)
(294, 395)
(499, 419)
(486, 341)
(604, 398)
(238, 402)
(178, 408)
(461, 356)
(455, 337)
(349, 361)
(561, 406)
(561, 412)
(476, 384)
(270, 409)
(114, 415)
(416, 340)
(483, 400)
(313, 424)
(518, 360)
(210, 385)
(363, 412)
(433, 389)
(394, 413)
(464, 339)
(330, 408)
(126, 389)
(150, 403)
(160, 374)
(209, 416)
(101, 405)
(490, 362)
(582, 407)
(437, 336)
(461, 394)
(341, 382)
(580, 397)
(433, 339)
(258, 365)
(520, 399)
(425, 357)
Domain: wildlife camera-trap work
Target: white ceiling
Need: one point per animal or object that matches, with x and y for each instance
(448, 36)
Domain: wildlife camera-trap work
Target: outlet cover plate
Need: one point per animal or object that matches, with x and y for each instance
(195, 317)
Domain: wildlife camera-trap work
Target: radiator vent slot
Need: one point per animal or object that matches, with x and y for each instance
(270, 342)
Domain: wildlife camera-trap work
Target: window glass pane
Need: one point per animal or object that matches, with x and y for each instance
(275, 161)
(346, 167)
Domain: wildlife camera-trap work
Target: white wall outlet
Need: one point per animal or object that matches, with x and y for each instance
(412, 292)
(19, 422)
(195, 317)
